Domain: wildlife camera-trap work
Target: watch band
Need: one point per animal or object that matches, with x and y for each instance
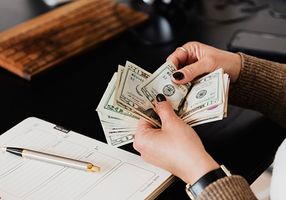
(194, 190)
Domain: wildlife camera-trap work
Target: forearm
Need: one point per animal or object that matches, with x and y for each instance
(261, 86)
(229, 188)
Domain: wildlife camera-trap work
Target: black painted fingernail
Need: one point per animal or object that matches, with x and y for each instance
(178, 76)
(160, 97)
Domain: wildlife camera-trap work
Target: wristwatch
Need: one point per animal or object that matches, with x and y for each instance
(194, 190)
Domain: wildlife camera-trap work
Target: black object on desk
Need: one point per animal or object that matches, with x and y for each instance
(260, 44)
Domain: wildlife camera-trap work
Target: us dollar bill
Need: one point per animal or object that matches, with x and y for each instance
(120, 71)
(117, 123)
(119, 140)
(128, 93)
(115, 102)
(131, 92)
(213, 113)
(107, 106)
(117, 137)
(160, 82)
(205, 93)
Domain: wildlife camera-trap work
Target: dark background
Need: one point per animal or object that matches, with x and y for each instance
(69, 93)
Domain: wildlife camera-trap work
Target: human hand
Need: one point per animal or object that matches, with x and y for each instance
(175, 147)
(194, 59)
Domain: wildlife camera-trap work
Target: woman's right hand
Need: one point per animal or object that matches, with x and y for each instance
(175, 146)
(194, 59)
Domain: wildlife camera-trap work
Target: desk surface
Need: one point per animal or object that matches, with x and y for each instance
(69, 93)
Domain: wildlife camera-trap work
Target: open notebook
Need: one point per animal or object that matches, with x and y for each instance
(123, 175)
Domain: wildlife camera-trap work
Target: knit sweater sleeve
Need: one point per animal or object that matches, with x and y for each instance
(261, 86)
(228, 188)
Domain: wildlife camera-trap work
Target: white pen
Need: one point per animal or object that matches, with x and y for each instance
(55, 159)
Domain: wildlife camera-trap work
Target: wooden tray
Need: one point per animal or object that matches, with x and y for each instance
(47, 40)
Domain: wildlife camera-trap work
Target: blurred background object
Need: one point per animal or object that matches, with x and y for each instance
(167, 20)
(55, 2)
(278, 8)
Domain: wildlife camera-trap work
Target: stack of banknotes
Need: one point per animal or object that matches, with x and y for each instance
(131, 93)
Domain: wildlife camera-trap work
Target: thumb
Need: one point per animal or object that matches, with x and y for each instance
(164, 110)
(190, 72)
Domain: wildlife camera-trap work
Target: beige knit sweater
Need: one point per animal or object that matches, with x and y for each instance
(261, 86)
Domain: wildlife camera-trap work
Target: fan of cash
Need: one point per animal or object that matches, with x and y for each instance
(131, 93)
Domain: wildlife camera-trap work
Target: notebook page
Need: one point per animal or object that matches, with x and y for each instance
(123, 175)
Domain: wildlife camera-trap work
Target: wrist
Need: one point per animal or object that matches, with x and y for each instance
(236, 67)
(202, 166)
(231, 62)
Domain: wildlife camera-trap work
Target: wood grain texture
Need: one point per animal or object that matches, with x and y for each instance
(43, 42)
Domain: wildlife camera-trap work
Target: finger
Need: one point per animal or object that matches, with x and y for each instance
(179, 57)
(190, 72)
(144, 124)
(164, 110)
(144, 138)
(143, 127)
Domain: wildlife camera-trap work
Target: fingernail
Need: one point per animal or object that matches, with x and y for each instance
(178, 76)
(160, 97)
